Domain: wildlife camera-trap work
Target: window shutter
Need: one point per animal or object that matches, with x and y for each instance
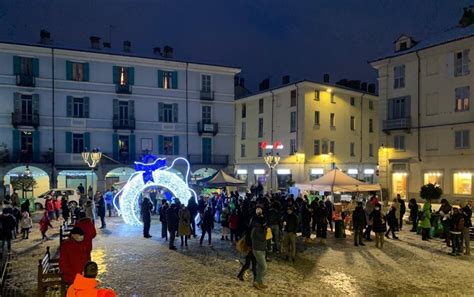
(115, 146)
(402, 142)
(131, 140)
(69, 106)
(17, 102)
(131, 75)
(35, 104)
(15, 144)
(86, 107)
(176, 145)
(115, 75)
(160, 79)
(68, 70)
(174, 79)
(131, 109)
(457, 139)
(161, 112)
(450, 64)
(116, 108)
(87, 141)
(175, 112)
(68, 142)
(35, 67)
(465, 138)
(86, 71)
(16, 65)
(160, 144)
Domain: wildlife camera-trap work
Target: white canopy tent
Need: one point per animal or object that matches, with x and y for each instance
(338, 181)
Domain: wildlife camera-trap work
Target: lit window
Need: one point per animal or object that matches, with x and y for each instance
(462, 183)
(78, 71)
(123, 76)
(434, 178)
(462, 98)
(167, 79)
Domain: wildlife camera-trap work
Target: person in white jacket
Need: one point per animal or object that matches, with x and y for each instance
(26, 223)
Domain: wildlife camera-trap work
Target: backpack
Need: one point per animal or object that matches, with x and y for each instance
(460, 224)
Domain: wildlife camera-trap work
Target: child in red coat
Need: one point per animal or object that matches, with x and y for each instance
(234, 225)
(45, 223)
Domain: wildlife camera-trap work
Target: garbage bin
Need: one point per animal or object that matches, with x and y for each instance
(339, 229)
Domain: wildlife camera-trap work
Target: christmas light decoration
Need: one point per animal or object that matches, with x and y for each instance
(149, 174)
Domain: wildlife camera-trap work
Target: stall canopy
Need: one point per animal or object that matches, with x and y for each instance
(338, 181)
(222, 179)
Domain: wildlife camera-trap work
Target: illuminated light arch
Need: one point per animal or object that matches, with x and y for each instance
(151, 174)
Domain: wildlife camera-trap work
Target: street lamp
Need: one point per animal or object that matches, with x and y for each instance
(272, 158)
(92, 159)
(27, 171)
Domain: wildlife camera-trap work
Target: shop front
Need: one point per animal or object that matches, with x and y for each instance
(71, 179)
(315, 173)
(399, 184)
(284, 178)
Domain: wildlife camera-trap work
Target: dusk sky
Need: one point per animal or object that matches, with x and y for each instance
(265, 38)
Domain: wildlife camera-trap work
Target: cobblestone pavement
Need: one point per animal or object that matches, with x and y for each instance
(135, 266)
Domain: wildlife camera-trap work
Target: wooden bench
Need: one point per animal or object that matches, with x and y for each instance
(4, 267)
(64, 232)
(49, 275)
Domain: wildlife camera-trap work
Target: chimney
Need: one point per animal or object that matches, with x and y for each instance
(467, 18)
(168, 51)
(106, 45)
(326, 78)
(45, 37)
(371, 88)
(95, 42)
(285, 79)
(127, 46)
(242, 82)
(264, 85)
(363, 86)
(157, 51)
(342, 82)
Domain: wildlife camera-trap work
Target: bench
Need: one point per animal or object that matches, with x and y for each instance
(49, 275)
(64, 232)
(4, 267)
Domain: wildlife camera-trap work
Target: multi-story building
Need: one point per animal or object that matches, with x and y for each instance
(58, 102)
(316, 125)
(425, 114)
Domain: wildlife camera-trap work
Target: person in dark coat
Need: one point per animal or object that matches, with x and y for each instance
(466, 211)
(456, 228)
(25, 206)
(403, 209)
(193, 210)
(359, 223)
(172, 221)
(249, 259)
(101, 209)
(413, 206)
(305, 220)
(207, 225)
(392, 222)
(314, 206)
(322, 221)
(146, 209)
(290, 226)
(65, 208)
(164, 226)
(259, 247)
(8, 227)
(378, 224)
(329, 210)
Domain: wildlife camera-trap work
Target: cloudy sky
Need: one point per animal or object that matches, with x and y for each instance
(266, 38)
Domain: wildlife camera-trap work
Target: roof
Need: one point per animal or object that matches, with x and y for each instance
(222, 179)
(450, 35)
(337, 181)
(309, 81)
(113, 51)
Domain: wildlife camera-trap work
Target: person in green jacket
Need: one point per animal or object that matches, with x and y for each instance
(425, 221)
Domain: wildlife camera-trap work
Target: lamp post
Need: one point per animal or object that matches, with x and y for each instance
(272, 158)
(92, 159)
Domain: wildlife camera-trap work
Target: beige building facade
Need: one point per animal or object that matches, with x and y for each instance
(312, 126)
(425, 115)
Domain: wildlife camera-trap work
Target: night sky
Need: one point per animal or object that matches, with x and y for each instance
(265, 38)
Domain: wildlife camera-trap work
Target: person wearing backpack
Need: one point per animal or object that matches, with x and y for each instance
(456, 228)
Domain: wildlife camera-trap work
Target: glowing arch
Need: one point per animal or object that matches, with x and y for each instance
(151, 174)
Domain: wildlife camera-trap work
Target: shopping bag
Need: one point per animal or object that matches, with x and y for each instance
(269, 234)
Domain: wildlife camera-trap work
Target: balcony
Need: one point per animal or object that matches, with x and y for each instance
(123, 89)
(210, 128)
(25, 80)
(397, 124)
(20, 119)
(207, 95)
(124, 124)
(208, 159)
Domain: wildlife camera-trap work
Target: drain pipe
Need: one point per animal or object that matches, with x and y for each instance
(361, 130)
(418, 107)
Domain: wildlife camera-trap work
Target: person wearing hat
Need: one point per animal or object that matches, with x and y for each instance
(86, 225)
(85, 284)
(73, 255)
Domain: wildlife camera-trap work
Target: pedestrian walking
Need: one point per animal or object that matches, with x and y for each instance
(57, 207)
(367, 210)
(164, 226)
(207, 225)
(274, 223)
(65, 208)
(172, 220)
(392, 222)
(49, 205)
(467, 213)
(26, 224)
(16, 213)
(259, 247)
(101, 211)
(456, 228)
(413, 206)
(90, 192)
(184, 226)
(146, 209)
(45, 224)
(7, 224)
(109, 198)
(193, 210)
(290, 227)
(249, 258)
(403, 210)
(90, 211)
(378, 225)
(358, 223)
(425, 221)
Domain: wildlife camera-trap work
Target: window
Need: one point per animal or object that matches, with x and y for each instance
(293, 98)
(352, 101)
(123, 112)
(26, 142)
(462, 98)
(292, 146)
(206, 114)
(332, 147)
(461, 139)
(461, 63)
(243, 132)
(399, 108)
(316, 148)
(352, 123)
(435, 178)
(325, 147)
(123, 143)
(399, 142)
(399, 77)
(26, 107)
(26, 66)
(316, 118)
(332, 122)
(168, 145)
(167, 79)
(316, 95)
(260, 127)
(168, 113)
(260, 105)
(205, 83)
(123, 76)
(371, 125)
(244, 110)
(259, 150)
(293, 121)
(403, 46)
(78, 71)
(371, 104)
(371, 150)
(462, 182)
(242, 150)
(352, 149)
(333, 98)
(77, 143)
(78, 107)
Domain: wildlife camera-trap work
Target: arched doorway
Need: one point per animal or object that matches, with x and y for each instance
(117, 175)
(71, 179)
(38, 174)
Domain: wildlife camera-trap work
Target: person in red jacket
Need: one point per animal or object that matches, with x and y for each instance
(73, 255)
(49, 205)
(86, 284)
(57, 207)
(234, 225)
(45, 223)
(89, 230)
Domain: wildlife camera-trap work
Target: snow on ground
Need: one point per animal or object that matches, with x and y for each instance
(135, 266)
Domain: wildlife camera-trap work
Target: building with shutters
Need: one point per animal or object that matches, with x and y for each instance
(58, 102)
(315, 125)
(425, 115)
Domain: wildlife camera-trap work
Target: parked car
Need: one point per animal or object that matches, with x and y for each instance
(73, 197)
